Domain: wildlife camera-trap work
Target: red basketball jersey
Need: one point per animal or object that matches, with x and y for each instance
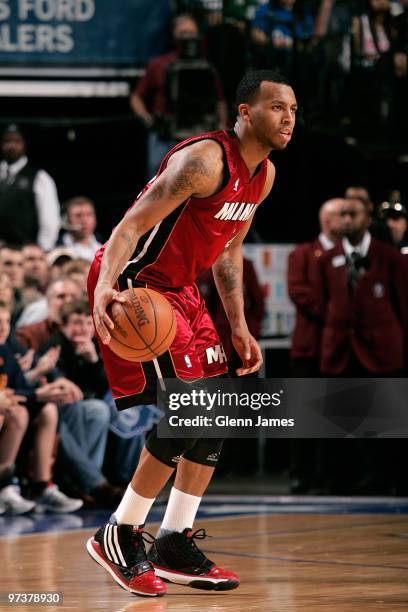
(189, 240)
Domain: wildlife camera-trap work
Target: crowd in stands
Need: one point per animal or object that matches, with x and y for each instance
(56, 411)
(346, 58)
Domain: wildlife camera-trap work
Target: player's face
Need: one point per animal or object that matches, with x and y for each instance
(272, 114)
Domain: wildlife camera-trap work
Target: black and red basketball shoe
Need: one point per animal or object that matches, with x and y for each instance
(176, 558)
(120, 549)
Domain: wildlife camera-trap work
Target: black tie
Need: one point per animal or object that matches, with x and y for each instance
(356, 263)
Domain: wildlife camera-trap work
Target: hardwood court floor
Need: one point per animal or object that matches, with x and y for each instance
(347, 563)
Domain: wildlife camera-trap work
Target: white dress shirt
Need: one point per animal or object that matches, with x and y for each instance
(46, 201)
(361, 248)
(326, 243)
(80, 250)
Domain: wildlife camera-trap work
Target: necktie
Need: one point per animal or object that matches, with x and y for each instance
(357, 263)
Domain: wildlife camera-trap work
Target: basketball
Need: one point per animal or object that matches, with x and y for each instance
(145, 325)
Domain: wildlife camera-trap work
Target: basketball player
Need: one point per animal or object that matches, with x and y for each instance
(193, 214)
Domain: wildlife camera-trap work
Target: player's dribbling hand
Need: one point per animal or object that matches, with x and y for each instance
(249, 351)
(104, 295)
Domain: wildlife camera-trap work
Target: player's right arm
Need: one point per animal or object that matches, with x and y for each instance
(194, 171)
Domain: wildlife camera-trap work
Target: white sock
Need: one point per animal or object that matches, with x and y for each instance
(133, 509)
(180, 512)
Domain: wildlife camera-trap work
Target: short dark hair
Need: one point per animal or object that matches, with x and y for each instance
(74, 307)
(11, 247)
(12, 128)
(249, 85)
(77, 201)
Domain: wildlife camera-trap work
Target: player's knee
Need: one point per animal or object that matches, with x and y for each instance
(205, 451)
(168, 450)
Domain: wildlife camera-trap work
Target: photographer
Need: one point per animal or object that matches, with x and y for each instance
(152, 101)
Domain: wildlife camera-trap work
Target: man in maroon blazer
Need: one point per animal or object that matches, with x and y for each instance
(364, 304)
(363, 299)
(303, 264)
(302, 273)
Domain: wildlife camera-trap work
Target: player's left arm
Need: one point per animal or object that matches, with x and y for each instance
(228, 278)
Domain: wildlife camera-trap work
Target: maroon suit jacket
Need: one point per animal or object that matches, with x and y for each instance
(303, 268)
(372, 320)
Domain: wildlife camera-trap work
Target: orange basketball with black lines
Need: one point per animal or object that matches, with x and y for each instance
(145, 325)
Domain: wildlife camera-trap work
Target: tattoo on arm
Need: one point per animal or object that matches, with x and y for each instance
(229, 276)
(127, 238)
(185, 180)
(154, 192)
(129, 246)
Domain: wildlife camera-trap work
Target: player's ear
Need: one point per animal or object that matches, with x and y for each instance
(243, 112)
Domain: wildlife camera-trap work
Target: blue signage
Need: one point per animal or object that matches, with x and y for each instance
(79, 32)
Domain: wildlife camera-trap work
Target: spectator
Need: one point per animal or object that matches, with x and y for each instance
(363, 294)
(149, 99)
(6, 291)
(80, 237)
(400, 57)
(371, 66)
(303, 275)
(56, 259)
(26, 288)
(13, 425)
(361, 193)
(303, 268)
(399, 28)
(41, 416)
(396, 218)
(363, 291)
(332, 27)
(279, 29)
(29, 207)
(84, 426)
(35, 265)
(46, 315)
(371, 32)
(77, 270)
(11, 263)
(378, 229)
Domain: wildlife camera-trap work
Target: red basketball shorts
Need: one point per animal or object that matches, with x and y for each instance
(196, 351)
